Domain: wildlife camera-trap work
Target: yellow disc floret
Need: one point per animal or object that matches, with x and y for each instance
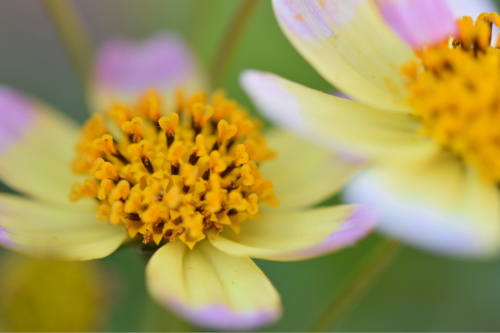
(456, 95)
(180, 175)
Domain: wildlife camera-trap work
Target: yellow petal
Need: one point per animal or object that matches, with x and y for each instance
(435, 204)
(291, 236)
(350, 45)
(41, 230)
(211, 288)
(332, 121)
(36, 148)
(304, 174)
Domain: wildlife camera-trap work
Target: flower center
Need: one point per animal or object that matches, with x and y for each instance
(456, 95)
(178, 176)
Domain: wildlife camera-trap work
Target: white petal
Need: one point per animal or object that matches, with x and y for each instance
(436, 205)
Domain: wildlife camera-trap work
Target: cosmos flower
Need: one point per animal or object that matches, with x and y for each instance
(188, 174)
(424, 118)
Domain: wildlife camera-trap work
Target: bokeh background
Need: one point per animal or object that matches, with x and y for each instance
(419, 292)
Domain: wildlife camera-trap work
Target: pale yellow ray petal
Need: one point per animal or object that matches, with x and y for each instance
(290, 236)
(45, 231)
(124, 70)
(436, 204)
(304, 174)
(211, 288)
(333, 122)
(350, 45)
(36, 147)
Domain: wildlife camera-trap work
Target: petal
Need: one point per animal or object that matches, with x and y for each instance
(435, 204)
(36, 147)
(331, 121)
(419, 22)
(304, 174)
(299, 235)
(42, 230)
(211, 288)
(349, 44)
(124, 70)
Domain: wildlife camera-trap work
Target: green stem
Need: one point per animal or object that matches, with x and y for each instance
(363, 280)
(230, 40)
(73, 35)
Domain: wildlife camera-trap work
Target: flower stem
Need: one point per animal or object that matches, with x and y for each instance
(230, 40)
(364, 279)
(73, 35)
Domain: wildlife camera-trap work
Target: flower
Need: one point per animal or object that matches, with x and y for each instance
(178, 170)
(424, 119)
(35, 295)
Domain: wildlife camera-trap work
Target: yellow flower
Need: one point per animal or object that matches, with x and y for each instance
(192, 175)
(425, 118)
(52, 296)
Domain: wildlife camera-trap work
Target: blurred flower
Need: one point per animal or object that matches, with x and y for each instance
(425, 115)
(189, 176)
(52, 296)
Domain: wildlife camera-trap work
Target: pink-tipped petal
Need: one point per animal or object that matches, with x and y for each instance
(351, 46)
(36, 147)
(211, 288)
(419, 22)
(299, 235)
(124, 70)
(273, 99)
(435, 204)
(220, 317)
(16, 118)
(359, 225)
(332, 122)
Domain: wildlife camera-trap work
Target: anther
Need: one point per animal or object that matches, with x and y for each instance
(232, 212)
(174, 169)
(147, 164)
(193, 159)
(227, 171)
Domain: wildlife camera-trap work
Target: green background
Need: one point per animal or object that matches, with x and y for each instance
(419, 292)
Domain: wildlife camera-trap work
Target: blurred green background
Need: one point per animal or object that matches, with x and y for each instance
(419, 292)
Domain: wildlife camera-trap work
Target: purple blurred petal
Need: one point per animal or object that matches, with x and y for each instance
(16, 117)
(163, 60)
(4, 239)
(419, 22)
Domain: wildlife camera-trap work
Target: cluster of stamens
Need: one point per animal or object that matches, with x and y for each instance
(182, 175)
(455, 93)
